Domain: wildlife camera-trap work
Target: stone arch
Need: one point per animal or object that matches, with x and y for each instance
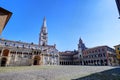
(60, 63)
(105, 62)
(36, 60)
(98, 62)
(101, 61)
(3, 61)
(5, 52)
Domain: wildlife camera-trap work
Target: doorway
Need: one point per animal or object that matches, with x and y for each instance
(36, 60)
(3, 61)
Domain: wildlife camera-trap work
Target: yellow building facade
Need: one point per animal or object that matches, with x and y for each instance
(117, 49)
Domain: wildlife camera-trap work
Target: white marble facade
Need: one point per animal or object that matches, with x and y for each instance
(18, 53)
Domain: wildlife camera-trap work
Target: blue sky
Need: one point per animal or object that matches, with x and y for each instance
(95, 21)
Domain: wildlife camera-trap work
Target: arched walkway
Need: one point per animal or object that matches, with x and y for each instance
(36, 60)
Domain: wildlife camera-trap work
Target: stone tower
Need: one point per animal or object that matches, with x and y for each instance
(81, 47)
(43, 36)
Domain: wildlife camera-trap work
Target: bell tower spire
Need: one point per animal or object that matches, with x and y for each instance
(44, 22)
(43, 36)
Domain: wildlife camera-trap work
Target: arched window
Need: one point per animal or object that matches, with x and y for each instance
(6, 52)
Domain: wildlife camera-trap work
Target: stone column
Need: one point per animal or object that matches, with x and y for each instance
(8, 59)
(1, 56)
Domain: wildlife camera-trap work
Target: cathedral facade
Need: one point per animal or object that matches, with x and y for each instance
(17, 53)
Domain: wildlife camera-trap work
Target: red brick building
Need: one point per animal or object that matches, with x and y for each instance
(100, 55)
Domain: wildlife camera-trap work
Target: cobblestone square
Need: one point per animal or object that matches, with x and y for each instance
(55, 72)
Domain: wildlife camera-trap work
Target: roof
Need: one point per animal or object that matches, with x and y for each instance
(117, 45)
(2, 39)
(4, 18)
(98, 46)
(95, 47)
(67, 53)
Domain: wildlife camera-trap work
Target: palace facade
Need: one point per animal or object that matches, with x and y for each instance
(99, 55)
(66, 58)
(17, 53)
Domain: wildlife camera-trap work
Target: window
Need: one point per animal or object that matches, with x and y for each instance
(101, 55)
(119, 48)
(25, 56)
(29, 46)
(13, 44)
(0, 51)
(23, 45)
(5, 43)
(92, 56)
(104, 54)
(30, 56)
(98, 55)
(95, 55)
(95, 50)
(30, 53)
(102, 49)
(99, 50)
(17, 46)
(18, 52)
(80, 56)
(37, 53)
(89, 51)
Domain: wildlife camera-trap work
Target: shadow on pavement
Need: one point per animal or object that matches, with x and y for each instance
(112, 74)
